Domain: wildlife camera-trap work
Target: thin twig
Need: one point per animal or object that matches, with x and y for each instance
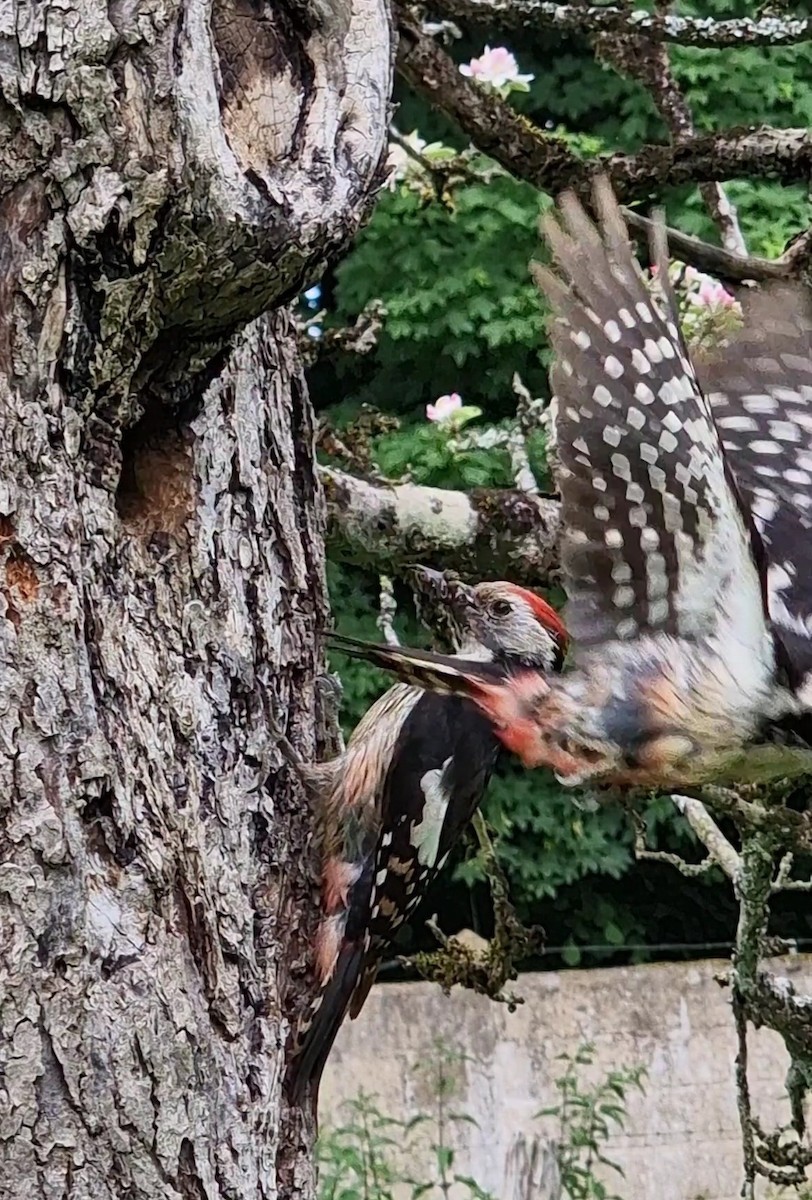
(715, 260)
(523, 475)
(709, 834)
(487, 968)
(387, 611)
(784, 871)
(720, 851)
(443, 169)
(784, 882)
(690, 870)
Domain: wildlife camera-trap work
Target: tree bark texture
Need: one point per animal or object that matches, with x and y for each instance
(168, 172)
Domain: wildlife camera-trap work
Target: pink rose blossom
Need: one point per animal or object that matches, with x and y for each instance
(497, 67)
(443, 407)
(712, 293)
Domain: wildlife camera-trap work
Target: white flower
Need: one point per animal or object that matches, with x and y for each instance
(400, 162)
(444, 407)
(498, 68)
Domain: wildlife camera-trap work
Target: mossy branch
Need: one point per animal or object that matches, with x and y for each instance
(485, 966)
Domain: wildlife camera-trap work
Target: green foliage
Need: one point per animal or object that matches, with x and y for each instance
(545, 840)
(770, 214)
(365, 1157)
(357, 1159)
(372, 1156)
(424, 454)
(588, 1116)
(457, 290)
(433, 456)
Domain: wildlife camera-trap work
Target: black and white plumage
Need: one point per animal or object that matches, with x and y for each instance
(761, 397)
(675, 660)
(682, 580)
(396, 802)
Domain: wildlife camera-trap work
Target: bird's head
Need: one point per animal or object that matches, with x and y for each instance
(499, 621)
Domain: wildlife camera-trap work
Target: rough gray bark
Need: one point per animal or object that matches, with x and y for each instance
(168, 171)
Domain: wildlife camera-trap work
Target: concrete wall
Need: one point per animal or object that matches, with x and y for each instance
(682, 1137)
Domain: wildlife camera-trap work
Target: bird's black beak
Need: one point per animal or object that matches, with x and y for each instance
(461, 598)
(441, 586)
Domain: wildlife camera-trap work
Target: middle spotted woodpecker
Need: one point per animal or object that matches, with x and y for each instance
(399, 797)
(686, 521)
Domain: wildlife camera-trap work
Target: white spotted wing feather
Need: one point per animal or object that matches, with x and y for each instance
(760, 389)
(654, 539)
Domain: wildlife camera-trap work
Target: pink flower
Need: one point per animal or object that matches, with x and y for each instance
(443, 407)
(712, 293)
(496, 67)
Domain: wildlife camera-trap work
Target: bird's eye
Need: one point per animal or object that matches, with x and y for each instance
(501, 608)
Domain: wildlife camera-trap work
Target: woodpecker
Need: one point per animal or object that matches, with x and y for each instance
(685, 547)
(398, 798)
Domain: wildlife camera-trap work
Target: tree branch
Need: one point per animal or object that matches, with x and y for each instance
(792, 829)
(717, 261)
(488, 533)
(548, 162)
(720, 851)
(650, 64)
(765, 1000)
(702, 32)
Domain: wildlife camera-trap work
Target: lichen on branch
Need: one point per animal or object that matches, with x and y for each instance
(487, 533)
(702, 32)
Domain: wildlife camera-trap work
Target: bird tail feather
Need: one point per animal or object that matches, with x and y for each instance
(315, 1039)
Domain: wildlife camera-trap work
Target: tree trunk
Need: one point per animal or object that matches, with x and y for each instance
(169, 170)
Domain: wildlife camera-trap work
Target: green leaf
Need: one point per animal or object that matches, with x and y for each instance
(571, 955)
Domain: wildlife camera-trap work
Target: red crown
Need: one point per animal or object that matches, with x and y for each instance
(545, 613)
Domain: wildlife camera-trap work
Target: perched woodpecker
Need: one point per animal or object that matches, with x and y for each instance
(686, 537)
(396, 801)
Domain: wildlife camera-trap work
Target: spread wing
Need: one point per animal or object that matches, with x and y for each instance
(760, 390)
(655, 540)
